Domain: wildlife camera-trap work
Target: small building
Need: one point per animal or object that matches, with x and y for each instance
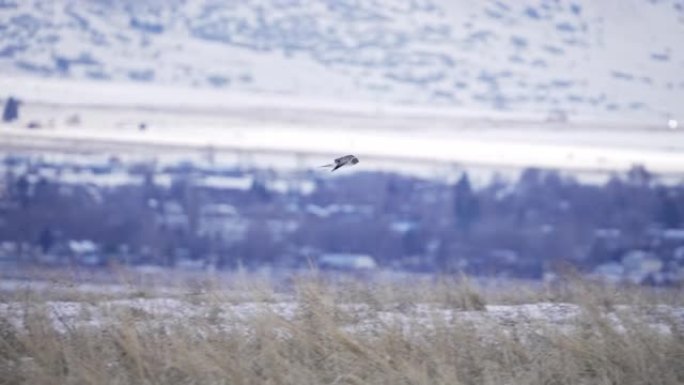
(640, 265)
(636, 266)
(612, 272)
(347, 262)
(222, 220)
(173, 216)
(85, 252)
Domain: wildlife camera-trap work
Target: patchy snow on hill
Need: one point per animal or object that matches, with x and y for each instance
(623, 60)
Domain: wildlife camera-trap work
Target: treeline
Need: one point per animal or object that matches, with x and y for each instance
(517, 228)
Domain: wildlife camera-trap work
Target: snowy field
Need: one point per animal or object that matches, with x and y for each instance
(362, 317)
(295, 135)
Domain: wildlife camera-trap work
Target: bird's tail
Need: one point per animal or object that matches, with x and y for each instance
(327, 165)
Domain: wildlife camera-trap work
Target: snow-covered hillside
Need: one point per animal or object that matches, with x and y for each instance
(618, 59)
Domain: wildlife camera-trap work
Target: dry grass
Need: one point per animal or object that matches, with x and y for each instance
(343, 333)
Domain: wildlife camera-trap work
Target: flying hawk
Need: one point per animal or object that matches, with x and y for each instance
(342, 161)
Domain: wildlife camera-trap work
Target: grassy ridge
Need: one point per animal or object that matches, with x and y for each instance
(346, 333)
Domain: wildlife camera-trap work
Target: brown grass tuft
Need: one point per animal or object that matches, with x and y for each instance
(350, 332)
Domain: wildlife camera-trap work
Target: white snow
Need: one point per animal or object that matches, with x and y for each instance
(672, 124)
(227, 315)
(591, 87)
(580, 150)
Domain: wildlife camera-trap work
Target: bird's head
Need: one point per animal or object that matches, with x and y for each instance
(355, 160)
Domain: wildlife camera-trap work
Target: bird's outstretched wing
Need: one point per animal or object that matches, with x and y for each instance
(339, 162)
(342, 161)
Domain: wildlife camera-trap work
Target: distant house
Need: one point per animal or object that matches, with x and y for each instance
(403, 227)
(337, 209)
(85, 252)
(678, 256)
(640, 265)
(637, 266)
(8, 251)
(223, 220)
(193, 264)
(612, 272)
(348, 262)
(173, 215)
(673, 235)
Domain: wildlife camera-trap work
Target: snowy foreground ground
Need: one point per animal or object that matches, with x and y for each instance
(355, 317)
(97, 307)
(313, 332)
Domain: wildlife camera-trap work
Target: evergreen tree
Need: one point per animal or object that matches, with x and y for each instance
(11, 111)
(466, 204)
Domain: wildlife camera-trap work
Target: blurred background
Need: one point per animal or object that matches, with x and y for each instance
(500, 139)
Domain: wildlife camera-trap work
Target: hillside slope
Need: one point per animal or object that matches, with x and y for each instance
(616, 59)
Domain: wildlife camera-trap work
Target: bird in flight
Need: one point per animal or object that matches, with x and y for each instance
(342, 161)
